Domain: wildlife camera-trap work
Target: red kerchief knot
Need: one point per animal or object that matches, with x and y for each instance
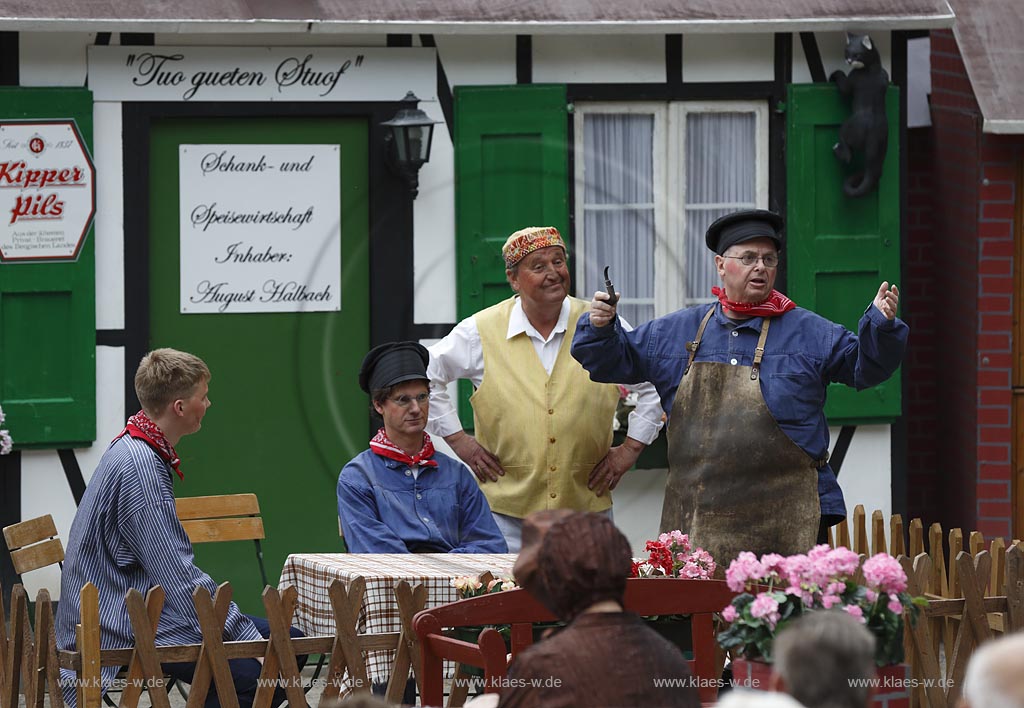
(381, 444)
(140, 426)
(775, 304)
(525, 241)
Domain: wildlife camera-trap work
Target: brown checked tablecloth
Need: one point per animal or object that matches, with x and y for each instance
(312, 573)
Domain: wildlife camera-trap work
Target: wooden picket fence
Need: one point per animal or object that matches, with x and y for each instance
(30, 662)
(985, 576)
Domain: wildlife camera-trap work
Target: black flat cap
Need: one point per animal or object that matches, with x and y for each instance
(388, 364)
(742, 226)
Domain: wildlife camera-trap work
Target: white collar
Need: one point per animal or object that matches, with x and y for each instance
(519, 324)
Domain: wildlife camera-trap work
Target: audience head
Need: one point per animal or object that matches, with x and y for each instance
(165, 376)
(740, 698)
(995, 674)
(573, 560)
(820, 657)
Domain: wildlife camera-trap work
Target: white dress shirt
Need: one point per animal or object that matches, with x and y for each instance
(460, 355)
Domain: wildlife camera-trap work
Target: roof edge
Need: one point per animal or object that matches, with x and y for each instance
(182, 26)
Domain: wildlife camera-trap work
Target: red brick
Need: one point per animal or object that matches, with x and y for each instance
(994, 509)
(995, 361)
(995, 434)
(990, 471)
(993, 342)
(993, 491)
(987, 377)
(993, 453)
(994, 303)
(995, 229)
(992, 284)
(998, 173)
(995, 397)
(996, 266)
(997, 210)
(994, 528)
(995, 191)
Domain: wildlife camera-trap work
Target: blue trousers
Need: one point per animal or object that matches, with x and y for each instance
(245, 672)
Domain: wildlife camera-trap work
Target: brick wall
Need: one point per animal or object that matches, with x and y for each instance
(960, 291)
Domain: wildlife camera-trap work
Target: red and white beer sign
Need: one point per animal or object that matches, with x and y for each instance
(47, 191)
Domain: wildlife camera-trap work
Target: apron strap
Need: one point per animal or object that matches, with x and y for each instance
(695, 344)
(755, 370)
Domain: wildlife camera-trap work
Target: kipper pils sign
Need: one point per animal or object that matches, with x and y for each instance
(47, 191)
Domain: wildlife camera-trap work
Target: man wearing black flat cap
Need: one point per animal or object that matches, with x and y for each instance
(744, 384)
(401, 496)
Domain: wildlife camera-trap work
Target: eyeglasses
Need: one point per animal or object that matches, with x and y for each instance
(406, 401)
(770, 260)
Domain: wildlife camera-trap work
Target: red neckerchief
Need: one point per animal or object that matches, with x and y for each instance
(382, 445)
(141, 427)
(775, 304)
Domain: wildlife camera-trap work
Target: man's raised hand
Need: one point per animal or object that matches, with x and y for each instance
(887, 300)
(601, 313)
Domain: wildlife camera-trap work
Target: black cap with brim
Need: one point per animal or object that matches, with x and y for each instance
(392, 363)
(742, 226)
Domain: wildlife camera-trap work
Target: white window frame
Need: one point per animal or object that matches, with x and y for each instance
(668, 179)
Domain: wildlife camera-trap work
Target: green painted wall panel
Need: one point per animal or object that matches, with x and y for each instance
(838, 248)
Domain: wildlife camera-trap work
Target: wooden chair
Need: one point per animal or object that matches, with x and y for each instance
(645, 596)
(34, 544)
(224, 517)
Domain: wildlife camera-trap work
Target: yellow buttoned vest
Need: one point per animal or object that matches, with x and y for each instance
(548, 431)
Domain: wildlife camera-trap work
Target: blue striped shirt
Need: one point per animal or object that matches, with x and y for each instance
(126, 534)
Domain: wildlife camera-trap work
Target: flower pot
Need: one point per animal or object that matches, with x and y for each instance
(892, 689)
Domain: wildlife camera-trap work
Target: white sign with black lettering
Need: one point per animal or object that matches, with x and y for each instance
(260, 228)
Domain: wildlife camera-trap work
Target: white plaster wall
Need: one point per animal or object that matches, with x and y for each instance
(919, 82)
(728, 57)
(637, 506)
(832, 47)
(477, 61)
(322, 39)
(434, 230)
(52, 58)
(866, 475)
(44, 488)
(603, 59)
(109, 223)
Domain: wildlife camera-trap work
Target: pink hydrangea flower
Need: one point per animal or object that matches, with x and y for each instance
(883, 573)
(729, 614)
(855, 611)
(677, 538)
(870, 595)
(744, 569)
(895, 606)
(765, 607)
(830, 601)
(844, 561)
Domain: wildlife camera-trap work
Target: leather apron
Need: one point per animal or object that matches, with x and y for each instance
(736, 481)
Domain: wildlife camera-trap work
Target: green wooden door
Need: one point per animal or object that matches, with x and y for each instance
(839, 249)
(511, 171)
(287, 411)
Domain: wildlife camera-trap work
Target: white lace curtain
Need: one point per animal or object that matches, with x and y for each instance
(621, 195)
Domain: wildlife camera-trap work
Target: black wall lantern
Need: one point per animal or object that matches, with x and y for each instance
(408, 141)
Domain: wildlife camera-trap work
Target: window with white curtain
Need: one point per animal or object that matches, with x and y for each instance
(650, 178)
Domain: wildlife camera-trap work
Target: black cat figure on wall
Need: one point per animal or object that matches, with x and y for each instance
(867, 129)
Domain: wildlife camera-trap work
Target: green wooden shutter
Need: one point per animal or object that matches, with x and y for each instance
(839, 249)
(48, 313)
(511, 171)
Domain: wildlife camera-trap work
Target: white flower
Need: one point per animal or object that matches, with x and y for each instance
(6, 444)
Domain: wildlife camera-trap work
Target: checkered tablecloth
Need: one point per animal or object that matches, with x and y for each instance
(312, 573)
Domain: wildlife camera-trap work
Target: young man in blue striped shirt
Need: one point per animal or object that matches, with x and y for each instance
(126, 533)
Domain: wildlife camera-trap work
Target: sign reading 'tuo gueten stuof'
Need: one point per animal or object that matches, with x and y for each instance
(260, 228)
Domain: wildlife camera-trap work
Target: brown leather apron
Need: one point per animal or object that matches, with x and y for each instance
(736, 482)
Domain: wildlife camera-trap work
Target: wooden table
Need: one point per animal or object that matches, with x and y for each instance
(311, 575)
